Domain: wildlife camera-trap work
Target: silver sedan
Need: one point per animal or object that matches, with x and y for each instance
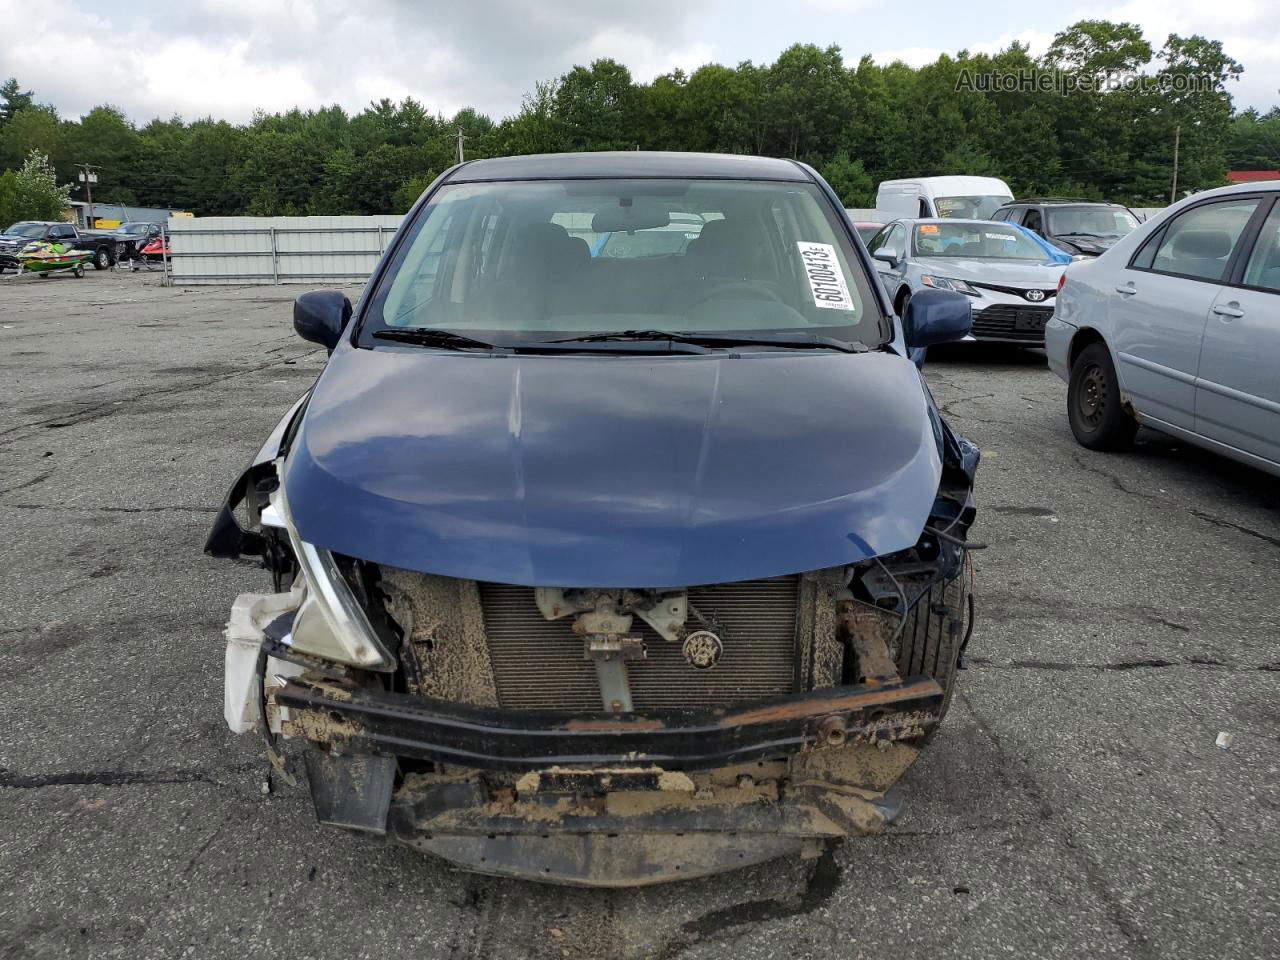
(1177, 327)
(1009, 275)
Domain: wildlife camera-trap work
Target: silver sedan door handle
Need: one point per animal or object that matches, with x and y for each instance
(1228, 309)
(1128, 289)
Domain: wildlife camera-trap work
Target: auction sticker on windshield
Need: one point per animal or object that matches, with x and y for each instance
(826, 280)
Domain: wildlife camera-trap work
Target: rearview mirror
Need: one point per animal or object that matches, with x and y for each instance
(888, 256)
(320, 316)
(636, 215)
(936, 316)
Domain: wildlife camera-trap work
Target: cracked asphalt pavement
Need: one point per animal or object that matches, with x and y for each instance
(1074, 803)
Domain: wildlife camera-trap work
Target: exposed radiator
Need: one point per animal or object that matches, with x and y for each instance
(538, 663)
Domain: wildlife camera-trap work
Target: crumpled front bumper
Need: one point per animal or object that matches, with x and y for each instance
(609, 799)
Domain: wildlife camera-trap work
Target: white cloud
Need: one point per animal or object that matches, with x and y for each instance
(227, 57)
(1246, 28)
(230, 57)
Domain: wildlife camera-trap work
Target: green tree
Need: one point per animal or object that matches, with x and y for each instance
(1254, 142)
(809, 100)
(596, 107)
(863, 123)
(407, 193)
(33, 128)
(33, 192)
(717, 111)
(850, 181)
(537, 128)
(15, 99)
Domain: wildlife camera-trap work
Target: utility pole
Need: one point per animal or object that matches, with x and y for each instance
(1173, 192)
(460, 137)
(88, 176)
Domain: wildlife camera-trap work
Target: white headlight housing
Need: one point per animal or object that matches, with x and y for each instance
(330, 623)
(949, 283)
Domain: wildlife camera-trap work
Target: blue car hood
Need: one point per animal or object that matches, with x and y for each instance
(613, 471)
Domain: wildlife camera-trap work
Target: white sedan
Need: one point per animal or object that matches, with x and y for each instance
(1178, 327)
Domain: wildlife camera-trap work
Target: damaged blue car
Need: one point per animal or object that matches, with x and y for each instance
(620, 540)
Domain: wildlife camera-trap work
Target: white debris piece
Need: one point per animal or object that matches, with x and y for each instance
(1224, 740)
(250, 615)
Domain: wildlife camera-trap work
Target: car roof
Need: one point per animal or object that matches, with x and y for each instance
(1061, 201)
(625, 164)
(1264, 186)
(913, 221)
(949, 182)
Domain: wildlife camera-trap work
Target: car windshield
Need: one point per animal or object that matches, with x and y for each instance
(977, 207)
(133, 228)
(34, 230)
(540, 260)
(1091, 221)
(987, 241)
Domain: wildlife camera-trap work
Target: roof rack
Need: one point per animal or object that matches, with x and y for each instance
(1063, 200)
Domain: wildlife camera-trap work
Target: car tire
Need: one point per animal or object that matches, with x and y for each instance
(1094, 409)
(935, 632)
(101, 258)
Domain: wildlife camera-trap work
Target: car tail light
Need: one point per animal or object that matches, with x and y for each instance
(1061, 280)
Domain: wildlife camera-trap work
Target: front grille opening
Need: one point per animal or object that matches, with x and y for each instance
(538, 663)
(1001, 321)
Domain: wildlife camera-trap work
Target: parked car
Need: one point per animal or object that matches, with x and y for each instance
(608, 570)
(1082, 228)
(866, 229)
(18, 235)
(923, 197)
(1178, 328)
(1009, 277)
(132, 235)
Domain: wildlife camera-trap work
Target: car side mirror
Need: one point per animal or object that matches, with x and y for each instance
(888, 256)
(320, 316)
(936, 316)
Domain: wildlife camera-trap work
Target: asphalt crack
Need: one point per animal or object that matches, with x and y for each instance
(109, 407)
(1015, 763)
(1121, 665)
(1111, 478)
(101, 778)
(946, 408)
(1219, 522)
(63, 508)
(37, 479)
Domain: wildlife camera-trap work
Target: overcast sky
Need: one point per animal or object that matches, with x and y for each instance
(226, 58)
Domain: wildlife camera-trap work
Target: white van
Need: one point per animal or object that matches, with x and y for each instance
(969, 198)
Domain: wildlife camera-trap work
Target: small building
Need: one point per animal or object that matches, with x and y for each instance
(1252, 176)
(109, 215)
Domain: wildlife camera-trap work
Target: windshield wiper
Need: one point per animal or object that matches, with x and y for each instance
(619, 336)
(802, 341)
(448, 340)
(1081, 233)
(431, 337)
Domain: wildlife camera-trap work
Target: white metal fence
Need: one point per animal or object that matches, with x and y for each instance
(254, 250)
(276, 249)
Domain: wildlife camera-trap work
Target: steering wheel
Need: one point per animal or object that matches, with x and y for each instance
(756, 289)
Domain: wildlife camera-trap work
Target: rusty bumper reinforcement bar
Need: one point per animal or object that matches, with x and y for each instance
(495, 739)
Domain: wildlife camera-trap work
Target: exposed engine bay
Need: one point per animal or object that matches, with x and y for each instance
(598, 736)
